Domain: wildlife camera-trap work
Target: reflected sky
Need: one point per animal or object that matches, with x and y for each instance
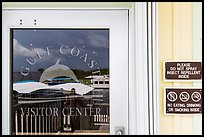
(78, 49)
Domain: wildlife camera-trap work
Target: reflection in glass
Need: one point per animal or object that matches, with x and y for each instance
(60, 81)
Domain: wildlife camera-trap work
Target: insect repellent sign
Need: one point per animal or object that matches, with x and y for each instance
(182, 71)
(183, 100)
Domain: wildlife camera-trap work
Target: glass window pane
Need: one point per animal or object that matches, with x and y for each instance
(54, 77)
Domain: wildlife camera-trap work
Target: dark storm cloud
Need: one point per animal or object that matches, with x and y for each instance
(27, 42)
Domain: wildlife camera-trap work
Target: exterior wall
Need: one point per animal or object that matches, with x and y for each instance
(177, 23)
(180, 37)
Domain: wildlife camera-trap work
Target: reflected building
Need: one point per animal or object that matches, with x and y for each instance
(58, 87)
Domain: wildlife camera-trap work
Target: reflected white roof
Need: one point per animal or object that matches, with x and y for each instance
(97, 77)
(79, 88)
(33, 86)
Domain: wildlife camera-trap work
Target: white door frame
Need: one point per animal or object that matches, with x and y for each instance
(143, 62)
(143, 92)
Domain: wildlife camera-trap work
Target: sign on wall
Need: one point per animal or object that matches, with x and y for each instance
(182, 71)
(183, 100)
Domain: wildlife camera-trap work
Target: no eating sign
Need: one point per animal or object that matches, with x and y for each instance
(183, 100)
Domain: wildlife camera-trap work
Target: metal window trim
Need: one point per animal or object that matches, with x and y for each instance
(153, 68)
